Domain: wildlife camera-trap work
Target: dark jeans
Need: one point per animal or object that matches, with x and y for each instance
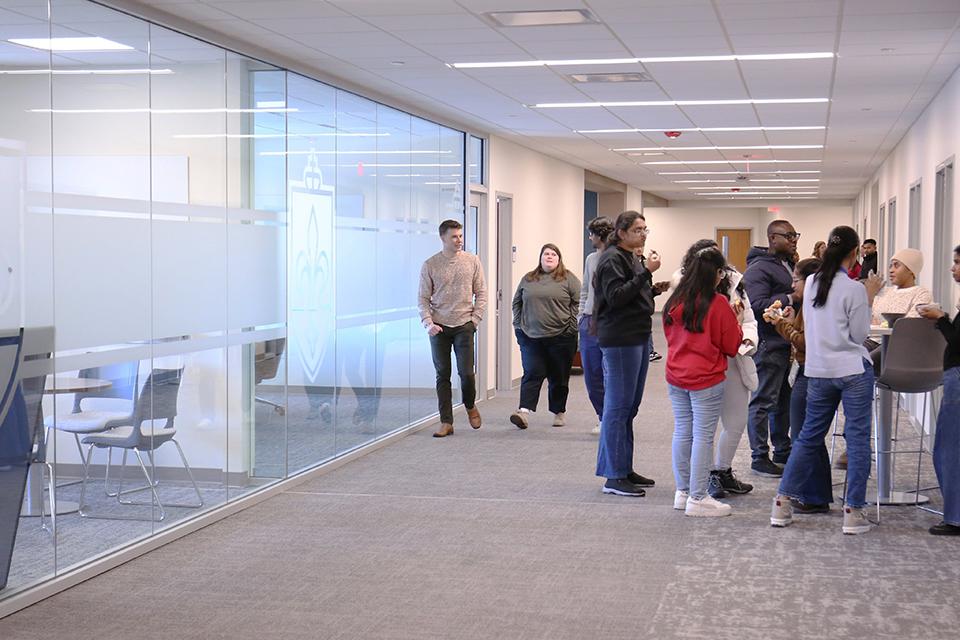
(461, 340)
(769, 413)
(550, 359)
(592, 360)
(624, 377)
(946, 446)
(807, 474)
(798, 404)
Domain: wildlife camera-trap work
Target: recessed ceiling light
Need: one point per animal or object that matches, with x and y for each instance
(82, 72)
(397, 63)
(652, 153)
(71, 44)
(162, 111)
(784, 179)
(610, 77)
(544, 18)
(675, 103)
(774, 172)
(757, 187)
(761, 193)
(700, 129)
(690, 181)
(608, 61)
(762, 146)
(732, 161)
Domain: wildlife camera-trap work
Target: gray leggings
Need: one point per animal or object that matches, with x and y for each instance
(733, 417)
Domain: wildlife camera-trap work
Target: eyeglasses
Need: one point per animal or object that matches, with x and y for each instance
(793, 235)
(645, 231)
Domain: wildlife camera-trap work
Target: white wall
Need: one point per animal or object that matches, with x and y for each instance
(547, 207)
(933, 138)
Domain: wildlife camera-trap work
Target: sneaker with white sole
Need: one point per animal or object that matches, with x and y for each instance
(559, 419)
(706, 507)
(623, 487)
(781, 514)
(680, 499)
(519, 419)
(855, 521)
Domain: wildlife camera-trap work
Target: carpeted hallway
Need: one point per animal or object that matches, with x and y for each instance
(500, 533)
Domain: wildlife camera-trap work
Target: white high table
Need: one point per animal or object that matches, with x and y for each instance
(885, 461)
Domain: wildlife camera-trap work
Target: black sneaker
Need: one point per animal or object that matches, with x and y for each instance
(715, 486)
(654, 356)
(639, 480)
(944, 529)
(763, 467)
(623, 487)
(803, 507)
(730, 483)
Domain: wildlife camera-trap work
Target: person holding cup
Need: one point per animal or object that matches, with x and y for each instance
(946, 444)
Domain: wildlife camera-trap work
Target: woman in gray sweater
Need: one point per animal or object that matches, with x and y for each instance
(545, 321)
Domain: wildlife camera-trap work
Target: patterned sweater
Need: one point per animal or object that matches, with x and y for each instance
(452, 290)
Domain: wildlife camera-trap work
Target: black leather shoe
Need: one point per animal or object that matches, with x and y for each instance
(763, 467)
(639, 480)
(944, 529)
(805, 508)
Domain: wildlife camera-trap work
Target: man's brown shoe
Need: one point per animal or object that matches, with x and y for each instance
(444, 431)
(474, 416)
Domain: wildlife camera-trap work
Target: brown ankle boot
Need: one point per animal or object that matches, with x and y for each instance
(474, 416)
(444, 430)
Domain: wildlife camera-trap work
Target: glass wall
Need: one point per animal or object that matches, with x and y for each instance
(215, 263)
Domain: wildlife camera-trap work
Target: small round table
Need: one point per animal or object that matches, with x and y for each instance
(33, 505)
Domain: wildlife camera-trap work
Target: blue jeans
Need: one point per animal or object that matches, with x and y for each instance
(592, 360)
(624, 375)
(798, 404)
(946, 446)
(769, 413)
(807, 474)
(695, 418)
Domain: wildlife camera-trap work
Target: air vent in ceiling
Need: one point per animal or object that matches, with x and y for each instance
(610, 77)
(546, 18)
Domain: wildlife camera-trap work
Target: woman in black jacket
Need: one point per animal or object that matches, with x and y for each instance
(946, 444)
(623, 307)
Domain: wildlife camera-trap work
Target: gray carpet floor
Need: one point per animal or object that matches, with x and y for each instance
(501, 533)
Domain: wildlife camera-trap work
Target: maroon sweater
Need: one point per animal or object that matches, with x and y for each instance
(699, 360)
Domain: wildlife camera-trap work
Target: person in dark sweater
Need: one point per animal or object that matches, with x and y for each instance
(946, 444)
(869, 263)
(769, 279)
(545, 322)
(623, 310)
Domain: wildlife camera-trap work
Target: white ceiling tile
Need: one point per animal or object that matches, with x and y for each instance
(299, 26)
(406, 7)
(256, 9)
(699, 80)
(900, 21)
(875, 7)
(570, 33)
(793, 25)
(723, 116)
(620, 91)
(451, 36)
(665, 118)
(417, 22)
(782, 11)
(792, 115)
(554, 50)
(688, 29)
(808, 78)
(783, 43)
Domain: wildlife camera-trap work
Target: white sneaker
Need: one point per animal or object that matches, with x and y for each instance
(855, 521)
(781, 513)
(558, 419)
(706, 507)
(680, 500)
(596, 430)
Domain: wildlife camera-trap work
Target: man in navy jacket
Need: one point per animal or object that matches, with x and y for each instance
(769, 278)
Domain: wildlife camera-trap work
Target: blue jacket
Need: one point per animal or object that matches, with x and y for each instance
(766, 280)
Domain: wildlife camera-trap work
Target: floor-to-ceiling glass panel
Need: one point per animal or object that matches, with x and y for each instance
(27, 544)
(396, 286)
(256, 257)
(427, 170)
(187, 435)
(357, 379)
(312, 364)
(103, 178)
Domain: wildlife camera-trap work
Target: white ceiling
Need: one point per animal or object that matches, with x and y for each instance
(892, 57)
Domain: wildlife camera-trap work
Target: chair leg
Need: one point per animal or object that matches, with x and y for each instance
(151, 486)
(186, 466)
(156, 483)
(83, 482)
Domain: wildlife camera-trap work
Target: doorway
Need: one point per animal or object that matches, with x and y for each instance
(734, 244)
(506, 255)
(476, 241)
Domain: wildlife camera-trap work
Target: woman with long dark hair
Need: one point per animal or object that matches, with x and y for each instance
(623, 308)
(836, 312)
(545, 322)
(702, 332)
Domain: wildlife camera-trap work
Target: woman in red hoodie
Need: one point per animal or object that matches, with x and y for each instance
(702, 332)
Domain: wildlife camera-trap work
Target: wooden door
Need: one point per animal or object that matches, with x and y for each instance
(735, 243)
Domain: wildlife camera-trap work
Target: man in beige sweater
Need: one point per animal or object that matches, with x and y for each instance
(451, 301)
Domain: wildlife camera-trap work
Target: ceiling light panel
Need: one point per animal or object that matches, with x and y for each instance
(704, 129)
(71, 44)
(544, 18)
(715, 148)
(679, 103)
(654, 60)
(733, 161)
